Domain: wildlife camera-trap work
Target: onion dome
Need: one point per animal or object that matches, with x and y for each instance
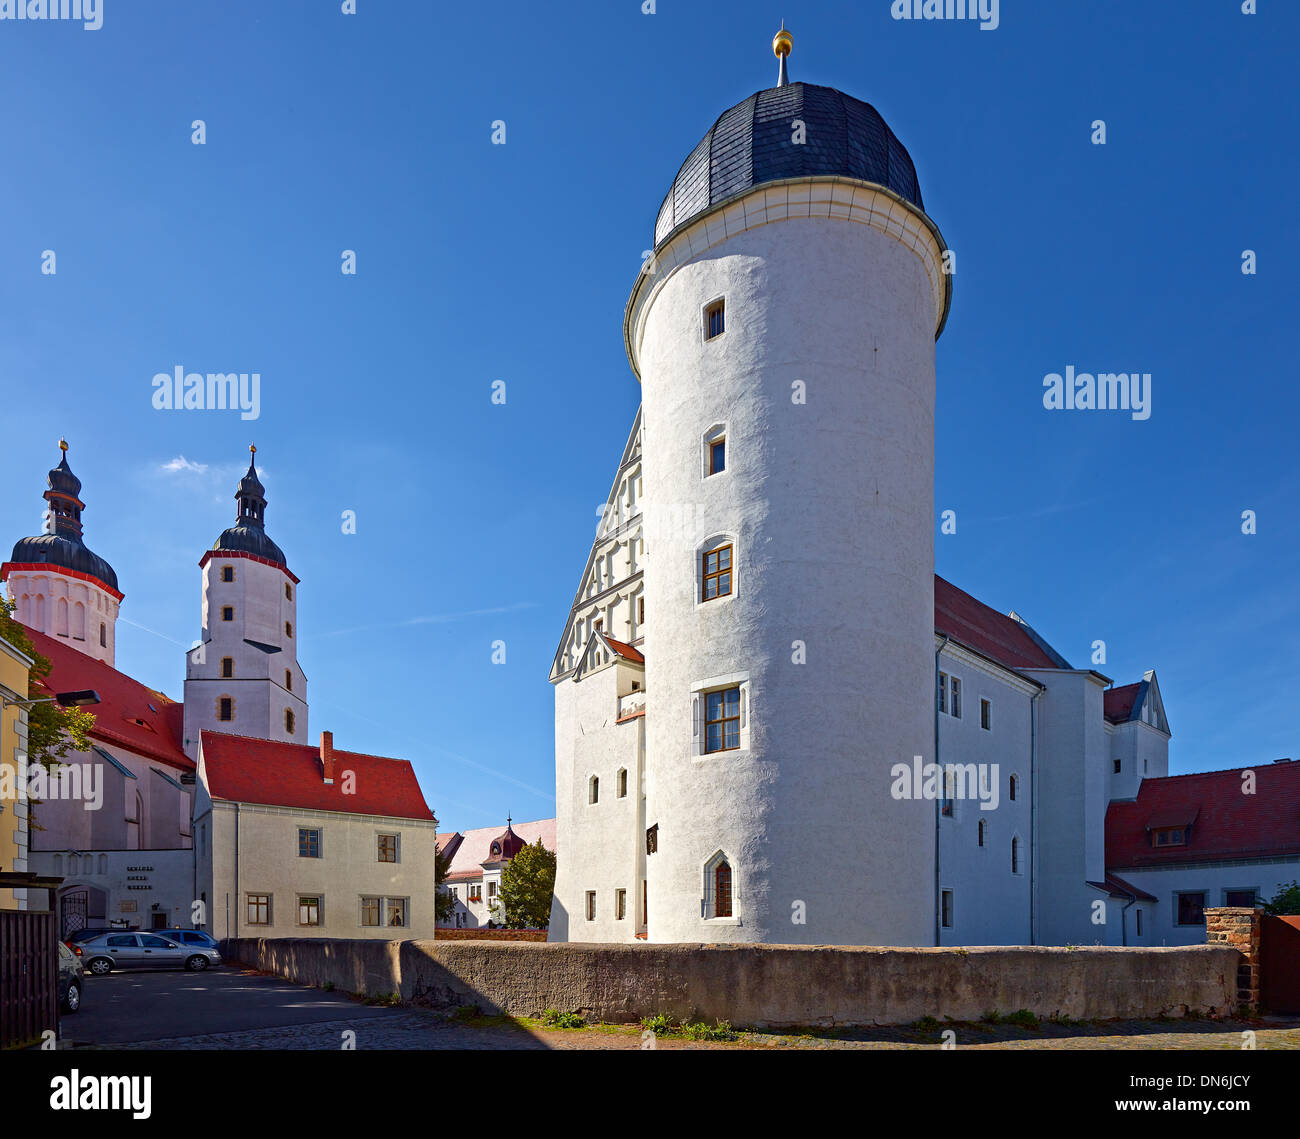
(753, 144)
(248, 534)
(505, 846)
(61, 544)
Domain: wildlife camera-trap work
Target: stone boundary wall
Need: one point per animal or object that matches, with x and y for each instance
(491, 934)
(763, 986)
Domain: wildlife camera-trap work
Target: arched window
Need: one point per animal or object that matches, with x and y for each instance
(61, 617)
(288, 721)
(103, 864)
(719, 892)
(593, 790)
(288, 629)
(79, 621)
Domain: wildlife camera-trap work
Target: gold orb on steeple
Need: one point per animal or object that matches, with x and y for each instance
(63, 445)
(782, 45)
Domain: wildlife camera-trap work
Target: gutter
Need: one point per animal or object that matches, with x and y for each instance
(1033, 816)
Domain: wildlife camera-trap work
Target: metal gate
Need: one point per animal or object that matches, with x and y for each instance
(1279, 964)
(29, 976)
(72, 912)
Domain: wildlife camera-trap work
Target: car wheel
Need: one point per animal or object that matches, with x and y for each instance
(72, 998)
(100, 965)
(197, 963)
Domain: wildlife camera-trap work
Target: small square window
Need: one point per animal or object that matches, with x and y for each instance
(715, 323)
(370, 909)
(227, 612)
(259, 909)
(1239, 898)
(386, 848)
(308, 843)
(227, 573)
(309, 908)
(1191, 908)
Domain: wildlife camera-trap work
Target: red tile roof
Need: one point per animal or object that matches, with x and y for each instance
(625, 650)
(1115, 886)
(245, 770)
(123, 716)
(1225, 823)
(980, 627)
(1119, 702)
(476, 845)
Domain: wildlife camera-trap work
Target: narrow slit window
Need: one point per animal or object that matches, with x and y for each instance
(715, 320)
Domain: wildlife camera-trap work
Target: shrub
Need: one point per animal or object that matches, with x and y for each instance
(554, 1018)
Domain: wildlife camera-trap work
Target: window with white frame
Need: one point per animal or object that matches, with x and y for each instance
(715, 450)
(720, 712)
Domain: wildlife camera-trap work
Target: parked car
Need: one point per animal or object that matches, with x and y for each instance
(189, 937)
(70, 978)
(142, 950)
(80, 935)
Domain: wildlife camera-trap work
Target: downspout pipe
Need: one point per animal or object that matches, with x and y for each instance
(1033, 816)
(938, 802)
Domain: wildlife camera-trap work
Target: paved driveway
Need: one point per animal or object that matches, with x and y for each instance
(130, 1007)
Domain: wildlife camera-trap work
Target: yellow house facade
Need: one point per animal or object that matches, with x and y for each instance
(14, 669)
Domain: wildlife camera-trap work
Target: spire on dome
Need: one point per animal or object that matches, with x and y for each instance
(248, 534)
(782, 45)
(61, 543)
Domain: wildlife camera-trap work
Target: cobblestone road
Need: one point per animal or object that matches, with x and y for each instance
(419, 1030)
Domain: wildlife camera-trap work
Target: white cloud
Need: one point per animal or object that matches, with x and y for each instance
(181, 463)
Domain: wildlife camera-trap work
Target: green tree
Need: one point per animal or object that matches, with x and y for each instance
(527, 883)
(1285, 901)
(444, 905)
(52, 731)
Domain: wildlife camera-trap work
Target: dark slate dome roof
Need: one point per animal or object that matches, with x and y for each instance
(69, 553)
(249, 540)
(751, 144)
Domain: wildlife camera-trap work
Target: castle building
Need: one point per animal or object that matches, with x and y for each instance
(773, 722)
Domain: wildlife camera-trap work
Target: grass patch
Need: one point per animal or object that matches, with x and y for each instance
(554, 1018)
(387, 1000)
(719, 1032)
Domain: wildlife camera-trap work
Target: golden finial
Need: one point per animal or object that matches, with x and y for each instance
(782, 45)
(63, 445)
(252, 450)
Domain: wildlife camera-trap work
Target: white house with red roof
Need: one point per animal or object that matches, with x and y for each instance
(477, 858)
(1210, 838)
(295, 841)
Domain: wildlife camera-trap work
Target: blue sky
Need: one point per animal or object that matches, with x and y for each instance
(479, 263)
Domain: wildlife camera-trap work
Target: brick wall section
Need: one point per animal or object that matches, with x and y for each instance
(490, 934)
(1238, 927)
(763, 986)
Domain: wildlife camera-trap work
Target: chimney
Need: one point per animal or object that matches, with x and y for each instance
(327, 757)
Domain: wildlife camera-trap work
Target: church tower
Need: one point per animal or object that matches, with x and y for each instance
(243, 677)
(783, 333)
(57, 585)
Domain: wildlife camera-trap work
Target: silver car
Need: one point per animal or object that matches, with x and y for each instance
(143, 950)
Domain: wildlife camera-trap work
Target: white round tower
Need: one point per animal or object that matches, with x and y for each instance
(784, 337)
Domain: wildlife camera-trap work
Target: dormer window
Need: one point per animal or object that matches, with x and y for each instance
(1169, 836)
(496, 850)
